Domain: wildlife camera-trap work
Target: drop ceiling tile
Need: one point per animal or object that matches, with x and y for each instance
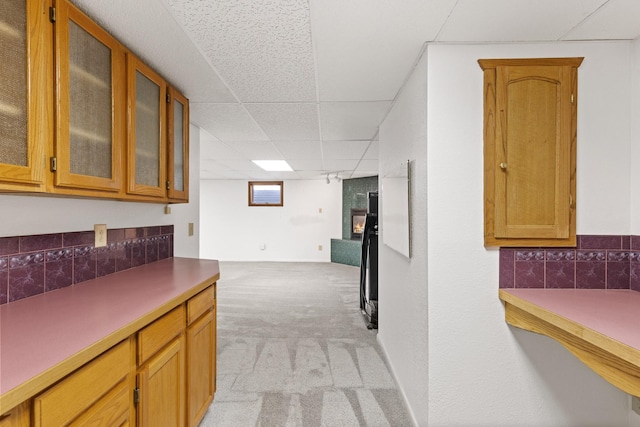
(257, 150)
(352, 150)
(339, 165)
(372, 151)
(216, 150)
(286, 122)
(365, 49)
(515, 20)
(147, 28)
(352, 120)
(367, 165)
(616, 19)
(262, 49)
(305, 164)
(227, 174)
(299, 149)
(311, 174)
(227, 122)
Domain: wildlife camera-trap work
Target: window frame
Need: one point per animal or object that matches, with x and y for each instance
(255, 183)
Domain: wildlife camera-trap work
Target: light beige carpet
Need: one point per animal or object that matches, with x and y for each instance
(293, 350)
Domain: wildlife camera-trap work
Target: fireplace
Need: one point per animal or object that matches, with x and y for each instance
(358, 217)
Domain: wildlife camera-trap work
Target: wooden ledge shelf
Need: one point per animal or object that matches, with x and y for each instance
(600, 327)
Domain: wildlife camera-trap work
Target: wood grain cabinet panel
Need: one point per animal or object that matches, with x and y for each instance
(90, 104)
(146, 125)
(100, 390)
(17, 417)
(26, 94)
(530, 110)
(201, 353)
(162, 388)
(178, 146)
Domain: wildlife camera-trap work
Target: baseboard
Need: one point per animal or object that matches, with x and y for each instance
(403, 396)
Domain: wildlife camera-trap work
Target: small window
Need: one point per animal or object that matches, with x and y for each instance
(263, 193)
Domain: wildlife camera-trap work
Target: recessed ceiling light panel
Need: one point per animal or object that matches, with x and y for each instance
(273, 165)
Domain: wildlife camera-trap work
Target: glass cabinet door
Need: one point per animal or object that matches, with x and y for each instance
(26, 117)
(89, 102)
(146, 123)
(178, 134)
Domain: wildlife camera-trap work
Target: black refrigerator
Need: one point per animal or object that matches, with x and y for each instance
(369, 264)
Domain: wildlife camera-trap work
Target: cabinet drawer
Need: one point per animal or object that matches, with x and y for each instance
(159, 333)
(74, 395)
(200, 304)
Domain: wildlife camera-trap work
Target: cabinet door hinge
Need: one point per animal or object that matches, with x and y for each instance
(136, 395)
(54, 164)
(52, 14)
(168, 99)
(168, 185)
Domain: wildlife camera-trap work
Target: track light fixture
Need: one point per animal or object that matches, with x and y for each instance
(328, 180)
(338, 177)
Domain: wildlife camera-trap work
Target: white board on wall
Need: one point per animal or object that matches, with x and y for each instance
(396, 208)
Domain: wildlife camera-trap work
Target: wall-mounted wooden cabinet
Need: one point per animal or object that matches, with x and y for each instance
(178, 137)
(26, 94)
(146, 119)
(112, 113)
(90, 94)
(530, 111)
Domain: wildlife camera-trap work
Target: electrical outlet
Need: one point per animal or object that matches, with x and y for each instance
(167, 210)
(319, 247)
(100, 235)
(190, 229)
(319, 210)
(635, 404)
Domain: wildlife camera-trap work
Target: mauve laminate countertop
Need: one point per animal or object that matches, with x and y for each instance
(45, 337)
(614, 313)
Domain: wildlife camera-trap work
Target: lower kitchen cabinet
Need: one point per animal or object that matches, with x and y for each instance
(99, 393)
(201, 375)
(17, 417)
(161, 375)
(161, 384)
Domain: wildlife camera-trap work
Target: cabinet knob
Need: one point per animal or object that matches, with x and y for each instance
(503, 166)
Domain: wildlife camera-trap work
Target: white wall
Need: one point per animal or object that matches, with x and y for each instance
(233, 231)
(480, 370)
(402, 292)
(31, 214)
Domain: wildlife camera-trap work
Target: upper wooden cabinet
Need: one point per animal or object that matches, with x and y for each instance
(147, 150)
(178, 137)
(82, 116)
(530, 110)
(26, 94)
(90, 99)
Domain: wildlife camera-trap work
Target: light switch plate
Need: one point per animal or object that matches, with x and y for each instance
(190, 229)
(101, 235)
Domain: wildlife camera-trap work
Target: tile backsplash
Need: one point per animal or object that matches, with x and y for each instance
(598, 262)
(32, 265)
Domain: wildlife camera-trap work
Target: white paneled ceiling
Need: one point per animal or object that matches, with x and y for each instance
(309, 81)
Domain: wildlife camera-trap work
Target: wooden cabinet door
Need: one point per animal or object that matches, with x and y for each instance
(162, 388)
(530, 129)
(200, 367)
(178, 153)
(146, 125)
(90, 103)
(17, 417)
(26, 95)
